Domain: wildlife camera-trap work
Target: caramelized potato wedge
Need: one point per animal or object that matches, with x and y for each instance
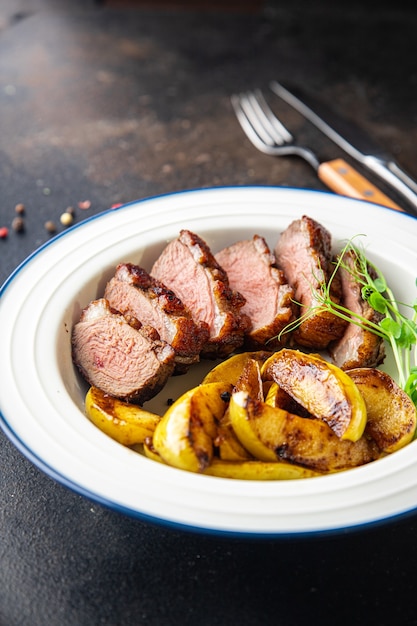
(184, 437)
(242, 416)
(228, 445)
(258, 470)
(150, 452)
(391, 413)
(250, 379)
(276, 396)
(128, 424)
(324, 390)
(230, 370)
(273, 394)
(273, 434)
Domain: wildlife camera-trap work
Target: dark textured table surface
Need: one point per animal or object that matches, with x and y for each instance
(112, 102)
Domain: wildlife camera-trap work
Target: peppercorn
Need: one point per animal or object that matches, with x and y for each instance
(50, 226)
(18, 224)
(20, 208)
(4, 231)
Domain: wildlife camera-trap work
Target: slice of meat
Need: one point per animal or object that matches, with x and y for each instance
(251, 268)
(358, 347)
(188, 267)
(134, 292)
(118, 355)
(303, 252)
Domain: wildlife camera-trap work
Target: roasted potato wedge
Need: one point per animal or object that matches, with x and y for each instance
(250, 379)
(184, 437)
(272, 396)
(150, 452)
(258, 470)
(324, 390)
(230, 370)
(128, 424)
(391, 412)
(241, 412)
(271, 433)
(228, 445)
(276, 396)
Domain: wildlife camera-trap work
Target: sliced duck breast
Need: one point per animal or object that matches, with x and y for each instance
(118, 355)
(251, 269)
(188, 267)
(357, 347)
(134, 292)
(303, 252)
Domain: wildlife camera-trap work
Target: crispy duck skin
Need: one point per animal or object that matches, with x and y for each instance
(135, 292)
(118, 355)
(252, 271)
(303, 252)
(188, 267)
(357, 347)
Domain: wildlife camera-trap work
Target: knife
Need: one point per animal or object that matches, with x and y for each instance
(372, 158)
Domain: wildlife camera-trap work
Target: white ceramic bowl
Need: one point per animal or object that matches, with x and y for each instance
(41, 395)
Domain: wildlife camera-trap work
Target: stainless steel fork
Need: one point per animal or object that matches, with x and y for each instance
(265, 130)
(270, 136)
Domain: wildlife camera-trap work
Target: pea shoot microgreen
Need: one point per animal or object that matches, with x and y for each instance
(398, 330)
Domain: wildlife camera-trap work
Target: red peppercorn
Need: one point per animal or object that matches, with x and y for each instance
(4, 231)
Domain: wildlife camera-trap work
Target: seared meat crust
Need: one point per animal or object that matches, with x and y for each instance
(303, 252)
(252, 271)
(134, 292)
(357, 347)
(119, 355)
(188, 267)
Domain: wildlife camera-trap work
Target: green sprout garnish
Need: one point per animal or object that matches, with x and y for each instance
(399, 331)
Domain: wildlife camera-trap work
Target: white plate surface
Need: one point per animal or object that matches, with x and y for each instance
(41, 395)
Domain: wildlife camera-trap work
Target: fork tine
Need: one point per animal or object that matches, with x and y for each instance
(259, 141)
(258, 128)
(263, 120)
(256, 118)
(271, 123)
(264, 130)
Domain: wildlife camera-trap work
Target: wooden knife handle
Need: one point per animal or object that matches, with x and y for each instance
(340, 177)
